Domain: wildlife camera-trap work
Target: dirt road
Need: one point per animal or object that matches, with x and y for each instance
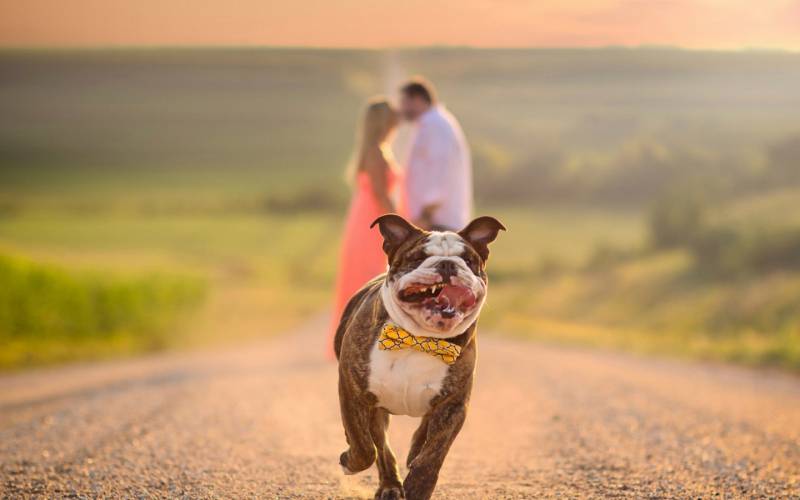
(262, 421)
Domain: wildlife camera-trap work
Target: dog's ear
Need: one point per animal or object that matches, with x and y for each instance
(480, 232)
(395, 230)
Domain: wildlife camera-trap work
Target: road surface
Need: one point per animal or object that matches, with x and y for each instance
(262, 421)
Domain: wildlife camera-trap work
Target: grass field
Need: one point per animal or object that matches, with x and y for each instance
(654, 305)
(224, 167)
(262, 273)
(631, 294)
(266, 272)
(50, 314)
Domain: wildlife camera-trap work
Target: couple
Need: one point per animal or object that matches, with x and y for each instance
(434, 190)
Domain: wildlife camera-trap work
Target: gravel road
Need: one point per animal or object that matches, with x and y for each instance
(262, 421)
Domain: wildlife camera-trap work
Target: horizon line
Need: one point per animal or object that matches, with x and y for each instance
(354, 48)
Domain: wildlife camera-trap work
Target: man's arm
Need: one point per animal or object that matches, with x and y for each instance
(425, 218)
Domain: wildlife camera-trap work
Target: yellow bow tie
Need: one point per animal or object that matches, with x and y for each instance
(393, 338)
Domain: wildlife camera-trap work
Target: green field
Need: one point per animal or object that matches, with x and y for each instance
(223, 169)
(51, 314)
(261, 273)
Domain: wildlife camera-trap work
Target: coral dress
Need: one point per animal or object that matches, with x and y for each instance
(362, 257)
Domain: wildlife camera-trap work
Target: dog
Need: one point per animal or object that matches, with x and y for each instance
(406, 346)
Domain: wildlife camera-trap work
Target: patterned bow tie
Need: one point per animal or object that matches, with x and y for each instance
(393, 338)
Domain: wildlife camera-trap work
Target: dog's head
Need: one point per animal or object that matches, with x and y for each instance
(436, 284)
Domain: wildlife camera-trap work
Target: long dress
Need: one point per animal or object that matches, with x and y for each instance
(361, 256)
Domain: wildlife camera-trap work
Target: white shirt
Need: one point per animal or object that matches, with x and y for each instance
(439, 170)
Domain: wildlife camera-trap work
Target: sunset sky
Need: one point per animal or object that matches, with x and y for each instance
(717, 24)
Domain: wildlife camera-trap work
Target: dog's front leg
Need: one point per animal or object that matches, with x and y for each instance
(417, 441)
(444, 421)
(391, 487)
(357, 420)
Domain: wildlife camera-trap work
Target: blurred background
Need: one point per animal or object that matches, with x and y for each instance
(174, 177)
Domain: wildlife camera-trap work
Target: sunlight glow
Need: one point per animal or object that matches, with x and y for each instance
(716, 24)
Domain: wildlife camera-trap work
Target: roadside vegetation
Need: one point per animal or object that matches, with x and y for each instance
(696, 284)
(117, 283)
(48, 313)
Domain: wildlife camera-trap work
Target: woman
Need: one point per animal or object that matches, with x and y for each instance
(375, 192)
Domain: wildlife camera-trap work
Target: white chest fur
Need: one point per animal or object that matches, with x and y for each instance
(405, 380)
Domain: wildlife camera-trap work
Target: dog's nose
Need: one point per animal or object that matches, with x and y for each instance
(447, 268)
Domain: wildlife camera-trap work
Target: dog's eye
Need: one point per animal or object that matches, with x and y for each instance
(470, 262)
(419, 257)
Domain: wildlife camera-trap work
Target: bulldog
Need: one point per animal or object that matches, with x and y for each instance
(406, 346)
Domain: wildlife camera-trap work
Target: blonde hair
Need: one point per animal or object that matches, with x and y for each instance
(377, 120)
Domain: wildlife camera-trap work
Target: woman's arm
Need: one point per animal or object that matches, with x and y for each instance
(377, 167)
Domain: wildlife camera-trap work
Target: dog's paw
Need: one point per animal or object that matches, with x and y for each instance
(343, 465)
(355, 463)
(343, 462)
(389, 493)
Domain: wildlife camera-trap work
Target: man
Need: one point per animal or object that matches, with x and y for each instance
(439, 170)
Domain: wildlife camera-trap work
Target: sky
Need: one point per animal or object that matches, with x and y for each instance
(708, 24)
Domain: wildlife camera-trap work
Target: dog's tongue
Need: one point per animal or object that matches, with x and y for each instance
(456, 296)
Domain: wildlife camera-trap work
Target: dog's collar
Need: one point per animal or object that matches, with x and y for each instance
(393, 338)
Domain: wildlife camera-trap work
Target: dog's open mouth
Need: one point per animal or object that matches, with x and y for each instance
(445, 299)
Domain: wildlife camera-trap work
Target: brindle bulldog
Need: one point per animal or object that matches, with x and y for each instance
(406, 346)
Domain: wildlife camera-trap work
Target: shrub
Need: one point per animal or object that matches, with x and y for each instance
(304, 201)
(605, 257)
(784, 162)
(41, 303)
(676, 219)
(730, 252)
(715, 250)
